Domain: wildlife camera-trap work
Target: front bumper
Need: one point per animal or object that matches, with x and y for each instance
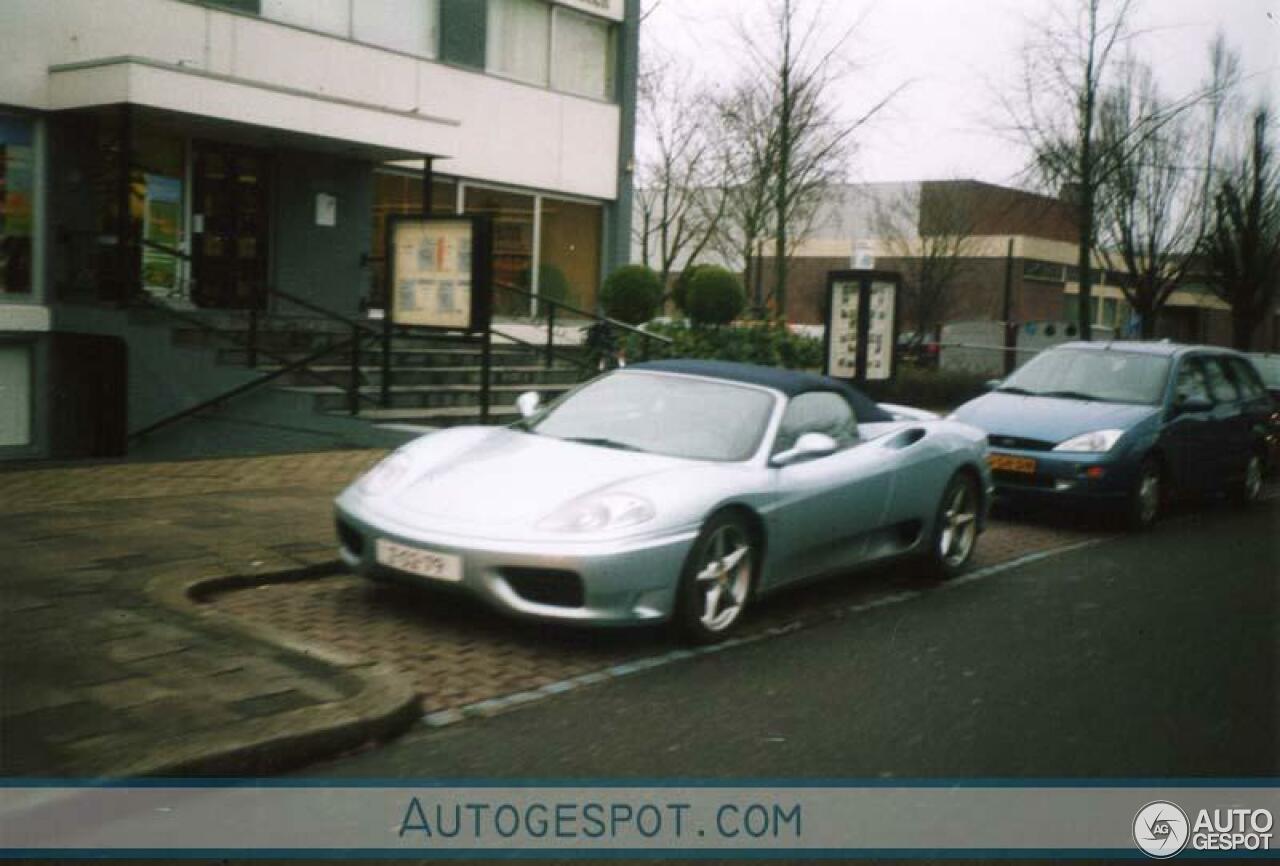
(1064, 476)
(623, 582)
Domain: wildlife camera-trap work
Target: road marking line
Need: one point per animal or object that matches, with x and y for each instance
(493, 706)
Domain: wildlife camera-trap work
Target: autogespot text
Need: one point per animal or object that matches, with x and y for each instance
(429, 819)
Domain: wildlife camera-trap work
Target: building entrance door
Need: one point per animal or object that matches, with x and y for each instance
(230, 226)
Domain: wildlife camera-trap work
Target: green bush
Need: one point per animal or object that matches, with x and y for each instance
(632, 294)
(769, 343)
(680, 289)
(552, 283)
(714, 296)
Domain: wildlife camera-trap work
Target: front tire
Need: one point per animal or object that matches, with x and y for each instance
(717, 581)
(1146, 497)
(1249, 488)
(955, 529)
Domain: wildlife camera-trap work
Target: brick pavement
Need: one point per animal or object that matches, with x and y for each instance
(103, 676)
(101, 679)
(457, 652)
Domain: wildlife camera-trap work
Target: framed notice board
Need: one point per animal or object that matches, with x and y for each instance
(440, 270)
(862, 325)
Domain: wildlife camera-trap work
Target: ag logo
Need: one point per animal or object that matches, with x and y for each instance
(1160, 829)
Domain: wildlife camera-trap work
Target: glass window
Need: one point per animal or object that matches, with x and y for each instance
(15, 394)
(679, 416)
(462, 36)
(583, 56)
(1191, 382)
(404, 25)
(1245, 377)
(518, 39)
(327, 16)
(818, 412)
(1108, 312)
(570, 260)
(512, 242)
(253, 7)
(17, 198)
(1219, 385)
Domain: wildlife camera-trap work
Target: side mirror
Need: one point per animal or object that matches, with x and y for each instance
(807, 447)
(528, 403)
(992, 384)
(1193, 404)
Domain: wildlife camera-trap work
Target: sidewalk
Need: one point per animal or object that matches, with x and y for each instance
(106, 669)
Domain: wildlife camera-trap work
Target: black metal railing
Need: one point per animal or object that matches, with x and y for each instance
(598, 320)
(355, 337)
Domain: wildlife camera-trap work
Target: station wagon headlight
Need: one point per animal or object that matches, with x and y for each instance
(1093, 443)
(386, 475)
(598, 511)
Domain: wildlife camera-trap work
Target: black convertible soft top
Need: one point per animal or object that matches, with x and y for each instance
(789, 382)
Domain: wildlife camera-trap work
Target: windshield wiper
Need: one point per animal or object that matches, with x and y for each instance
(1071, 395)
(602, 442)
(1014, 389)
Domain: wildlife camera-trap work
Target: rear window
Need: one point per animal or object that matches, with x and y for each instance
(1269, 367)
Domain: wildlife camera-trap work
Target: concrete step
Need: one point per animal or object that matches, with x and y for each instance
(449, 416)
(526, 374)
(434, 357)
(428, 396)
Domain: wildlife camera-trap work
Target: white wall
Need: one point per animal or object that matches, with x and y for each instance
(490, 128)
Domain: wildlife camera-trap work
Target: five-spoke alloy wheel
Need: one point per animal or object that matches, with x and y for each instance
(955, 531)
(718, 579)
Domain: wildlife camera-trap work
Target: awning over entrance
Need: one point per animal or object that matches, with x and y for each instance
(373, 131)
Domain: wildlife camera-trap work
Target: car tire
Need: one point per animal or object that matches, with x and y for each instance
(955, 528)
(718, 580)
(1246, 491)
(1142, 508)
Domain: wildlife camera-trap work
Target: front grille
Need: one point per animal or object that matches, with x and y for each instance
(546, 586)
(350, 538)
(1018, 442)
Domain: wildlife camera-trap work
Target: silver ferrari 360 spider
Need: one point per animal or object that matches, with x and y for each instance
(671, 490)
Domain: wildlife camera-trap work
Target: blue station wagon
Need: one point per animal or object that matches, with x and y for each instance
(1126, 425)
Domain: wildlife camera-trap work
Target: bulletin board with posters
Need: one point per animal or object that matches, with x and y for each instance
(862, 325)
(440, 271)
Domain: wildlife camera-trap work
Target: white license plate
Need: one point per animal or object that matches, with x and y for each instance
(415, 560)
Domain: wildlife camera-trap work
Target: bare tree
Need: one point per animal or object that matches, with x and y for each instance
(1242, 246)
(1149, 219)
(797, 68)
(747, 154)
(1224, 77)
(930, 230)
(1065, 70)
(679, 197)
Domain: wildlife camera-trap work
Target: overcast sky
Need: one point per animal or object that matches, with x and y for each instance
(951, 54)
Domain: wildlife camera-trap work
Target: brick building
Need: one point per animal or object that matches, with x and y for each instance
(1020, 238)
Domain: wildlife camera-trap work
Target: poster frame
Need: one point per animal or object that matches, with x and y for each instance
(864, 279)
(481, 309)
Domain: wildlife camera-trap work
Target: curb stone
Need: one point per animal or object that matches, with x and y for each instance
(381, 707)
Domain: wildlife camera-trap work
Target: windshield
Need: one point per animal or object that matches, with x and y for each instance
(1084, 374)
(673, 415)
(1269, 367)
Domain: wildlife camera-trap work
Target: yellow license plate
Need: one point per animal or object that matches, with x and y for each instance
(1010, 463)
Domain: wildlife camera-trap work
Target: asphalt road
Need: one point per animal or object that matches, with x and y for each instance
(1149, 656)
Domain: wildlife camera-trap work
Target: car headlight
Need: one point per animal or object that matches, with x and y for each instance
(599, 511)
(1095, 442)
(386, 475)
